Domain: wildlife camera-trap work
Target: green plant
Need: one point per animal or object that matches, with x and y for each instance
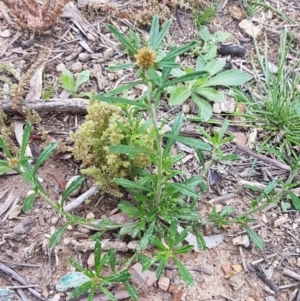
(208, 47)
(48, 88)
(275, 102)
(204, 16)
(217, 140)
(108, 125)
(160, 204)
(72, 85)
(169, 248)
(97, 280)
(202, 90)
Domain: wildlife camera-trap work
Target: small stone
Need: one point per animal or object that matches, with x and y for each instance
(241, 241)
(163, 283)
(270, 298)
(272, 68)
(54, 220)
(15, 212)
(90, 215)
(142, 278)
(84, 57)
(109, 53)
(298, 262)
(250, 299)
(111, 76)
(91, 37)
(76, 67)
(91, 261)
(281, 297)
(226, 268)
(218, 208)
(60, 67)
(250, 29)
(5, 33)
(45, 293)
(237, 268)
(186, 108)
(236, 13)
(56, 297)
(167, 296)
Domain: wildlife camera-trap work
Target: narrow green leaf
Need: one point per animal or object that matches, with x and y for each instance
(154, 30)
(4, 168)
(128, 208)
(131, 291)
(158, 39)
(182, 250)
(25, 140)
(82, 77)
(4, 147)
(128, 149)
(130, 184)
(112, 259)
(120, 36)
(256, 239)
(185, 78)
(120, 67)
(167, 65)
(80, 290)
(144, 241)
(176, 127)
(97, 256)
(179, 95)
(295, 200)
(161, 266)
(91, 294)
(147, 264)
(108, 293)
(46, 153)
(229, 78)
(201, 157)
(154, 76)
(192, 142)
(185, 190)
(176, 51)
(56, 237)
(67, 80)
(200, 240)
(76, 265)
(158, 244)
(120, 89)
(28, 202)
(184, 273)
(119, 277)
(117, 100)
(72, 187)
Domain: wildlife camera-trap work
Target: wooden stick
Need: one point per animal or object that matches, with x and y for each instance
(262, 157)
(73, 105)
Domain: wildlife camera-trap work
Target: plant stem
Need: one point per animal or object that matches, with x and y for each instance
(152, 112)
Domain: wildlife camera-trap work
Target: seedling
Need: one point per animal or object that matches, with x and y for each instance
(72, 85)
(97, 280)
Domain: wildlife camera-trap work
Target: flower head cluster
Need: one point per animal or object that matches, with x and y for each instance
(145, 57)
